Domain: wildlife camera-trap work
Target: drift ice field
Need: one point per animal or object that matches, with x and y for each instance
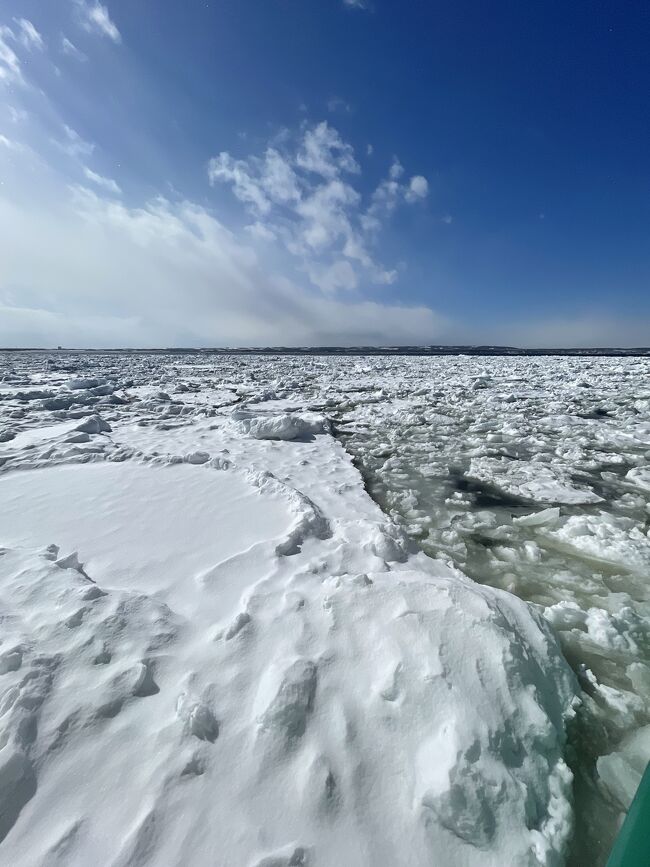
(275, 611)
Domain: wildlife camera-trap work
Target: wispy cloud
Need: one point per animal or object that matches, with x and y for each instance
(337, 105)
(9, 62)
(73, 144)
(356, 4)
(95, 18)
(390, 193)
(107, 184)
(9, 144)
(25, 35)
(324, 152)
(16, 115)
(70, 50)
(301, 193)
(28, 35)
(166, 273)
(163, 272)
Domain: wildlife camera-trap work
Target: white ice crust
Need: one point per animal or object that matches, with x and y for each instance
(216, 649)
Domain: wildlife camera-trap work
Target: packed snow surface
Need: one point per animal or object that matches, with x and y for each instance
(217, 649)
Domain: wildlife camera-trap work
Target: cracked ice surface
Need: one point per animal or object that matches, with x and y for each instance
(532, 475)
(214, 641)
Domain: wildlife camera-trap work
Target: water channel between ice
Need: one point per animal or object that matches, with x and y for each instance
(533, 476)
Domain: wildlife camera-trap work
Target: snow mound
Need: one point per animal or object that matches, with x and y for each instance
(94, 424)
(286, 426)
(330, 720)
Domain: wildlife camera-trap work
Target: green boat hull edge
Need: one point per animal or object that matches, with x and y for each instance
(632, 846)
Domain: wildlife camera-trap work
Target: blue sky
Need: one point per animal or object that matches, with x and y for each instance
(251, 172)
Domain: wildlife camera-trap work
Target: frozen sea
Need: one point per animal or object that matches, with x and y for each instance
(312, 610)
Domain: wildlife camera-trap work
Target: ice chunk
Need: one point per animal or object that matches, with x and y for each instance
(545, 518)
(281, 427)
(605, 539)
(531, 480)
(640, 476)
(94, 424)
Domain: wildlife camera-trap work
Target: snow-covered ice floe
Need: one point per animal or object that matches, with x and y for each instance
(217, 649)
(530, 480)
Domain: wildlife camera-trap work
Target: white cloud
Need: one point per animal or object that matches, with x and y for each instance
(261, 232)
(170, 273)
(95, 19)
(299, 192)
(165, 274)
(335, 104)
(107, 184)
(9, 63)
(385, 277)
(28, 35)
(279, 179)
(16, 115)
(332, 278)
(396, 170)
(9, 143)
(356, 4)
(70, 50)
(324, 213)
(418, 189)
(391, 192)
(324, 152)
(73, 144)
(224, 168)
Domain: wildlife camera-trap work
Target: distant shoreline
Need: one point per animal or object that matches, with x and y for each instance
(434, 350)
